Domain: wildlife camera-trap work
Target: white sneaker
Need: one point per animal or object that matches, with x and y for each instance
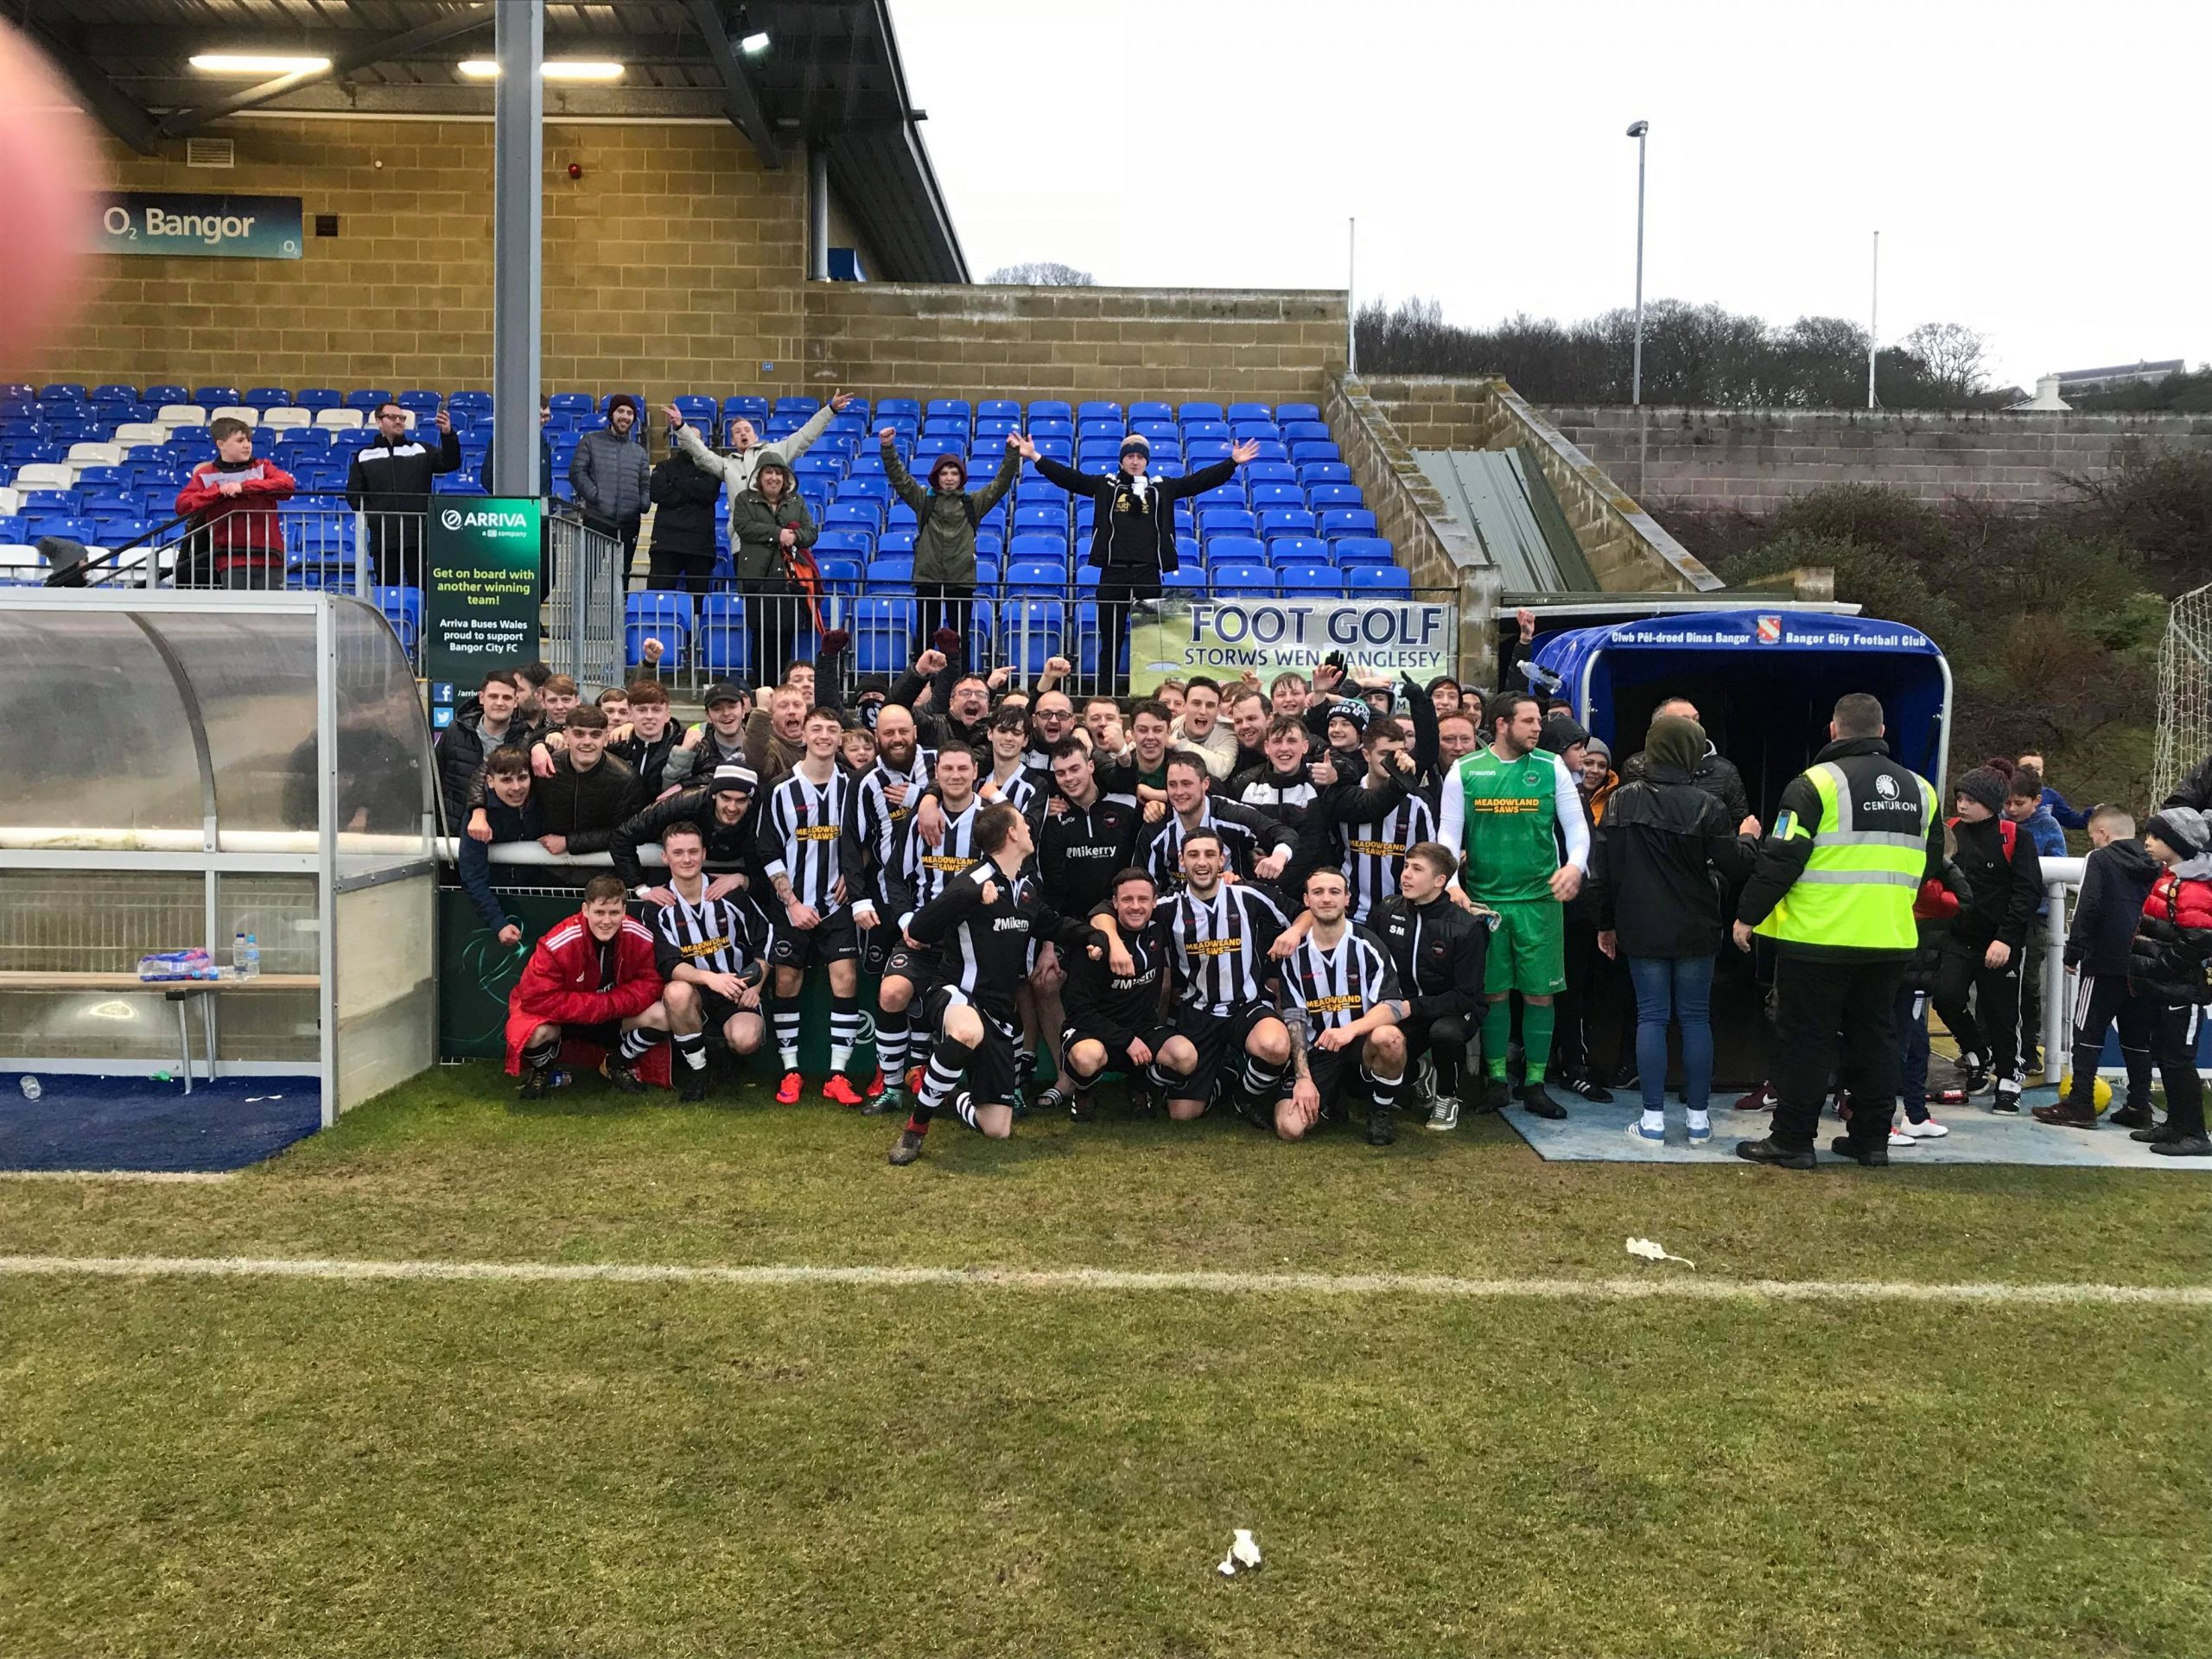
(1899, 1138)
(1651, 1126)
(1926, 1130)
(1701, 1127)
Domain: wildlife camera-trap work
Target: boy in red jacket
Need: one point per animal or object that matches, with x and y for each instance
(586, 979)
(235, 540)
(2168, 962)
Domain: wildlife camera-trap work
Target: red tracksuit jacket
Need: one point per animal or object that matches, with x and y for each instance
(240, 529)
(561, 985)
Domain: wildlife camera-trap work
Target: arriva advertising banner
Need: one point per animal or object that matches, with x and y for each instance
(219, 228)
(1223, 638)
(480, 589)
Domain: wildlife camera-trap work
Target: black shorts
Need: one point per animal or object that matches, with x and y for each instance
(718, 1010)
(605, 1034)
(877, 946)
(1154, 1036)
(836, 939)
(991, 1071)
(1218, 1040)
(916, 967)
(1341, 1079)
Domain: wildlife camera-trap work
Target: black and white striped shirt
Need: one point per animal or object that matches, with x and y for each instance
(922, 871)
(716, 936)
(1247, 837)
(881, 826)
(1374, 852)
(1220, 946)
(1020, 790)
(808, 834)
(1336, 984)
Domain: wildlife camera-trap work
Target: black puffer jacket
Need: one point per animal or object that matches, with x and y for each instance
(730, 848)
(2115, 881)
(683, 507)
(1652, 864)
(463, 752)
(2006, 888)
(2173, 942)
(586, 806)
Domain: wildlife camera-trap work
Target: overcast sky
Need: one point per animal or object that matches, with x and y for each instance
(2038, 170)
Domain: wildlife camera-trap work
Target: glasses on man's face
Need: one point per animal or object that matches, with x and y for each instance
(392, 419)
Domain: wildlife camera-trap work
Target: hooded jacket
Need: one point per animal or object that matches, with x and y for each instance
(1654, 858)
(1715, 774)
(756, 552)
(2173, 939)
(944, 536)
(611, 476)
(2115, 881)
(736, 470)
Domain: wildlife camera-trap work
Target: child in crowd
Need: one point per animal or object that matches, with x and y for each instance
(2114, 883)
(2173, 942)
(2024, 806)
(1982, 958)
(1933, 913)
(559, 697)
(237, 539)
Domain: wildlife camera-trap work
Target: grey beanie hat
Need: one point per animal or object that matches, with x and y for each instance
(1984, 786)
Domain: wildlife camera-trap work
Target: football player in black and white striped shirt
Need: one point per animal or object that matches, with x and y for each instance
(1342, 1002)
(1218, 934)
(1011, 778)
(713, 955)
(891, 787)
(1375, 847)
(811, 851)
(1255, 846)
(921, 872)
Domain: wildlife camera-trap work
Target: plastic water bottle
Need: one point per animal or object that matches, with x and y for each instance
(252, 957)
(32, 1090)
(237, 954)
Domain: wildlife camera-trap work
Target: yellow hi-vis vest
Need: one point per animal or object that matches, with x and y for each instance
(1857, 889)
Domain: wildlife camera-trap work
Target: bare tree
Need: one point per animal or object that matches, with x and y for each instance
(1957, 357)
(1042, 273)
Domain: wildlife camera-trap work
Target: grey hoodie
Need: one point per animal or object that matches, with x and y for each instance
(736, 471)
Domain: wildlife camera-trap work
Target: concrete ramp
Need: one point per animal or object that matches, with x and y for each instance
(1502, 499)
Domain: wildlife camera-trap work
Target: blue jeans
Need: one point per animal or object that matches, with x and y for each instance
(1912, 1052)
(1681, 989)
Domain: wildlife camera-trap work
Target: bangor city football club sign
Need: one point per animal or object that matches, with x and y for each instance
(480, 592)
(1224, 638)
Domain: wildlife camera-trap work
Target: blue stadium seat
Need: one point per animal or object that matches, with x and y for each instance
(1296, 412)
(866, 487)
(1339, 522)
(1226, 521)
(1048, 575)
(999, 409)
(1319, 496)
(1257, 472)
(158, 394)
(804, 408)
(840, 575)
(214, 396)
(1243, 579)
(1250, 412)
(1303, 453)
(1193, 430)
(863, 515)
(1154, 412)
(1285, 521)
(475, 401)
(721, 645)
(894, 574)
(1378, 578)
(1364, 549)
(1297, 550)
(987, 572)
(1032, 548)
(1098, 411)
(664, 616)
(883, 635)
(747, 408)
(421, 400)
(891, 408)
(849, 540)
(1190, 574)
(1188, 412)
(1310, 579)
(1241, 430)
(1031, 632)
(68, 391)
(1050, 409)
(1305, 432)
(570, 402)
(698, 407)
(1277, 495)
(402, 608)
(115, 392)
(368, 400)
(955, 410)
(1044, 516)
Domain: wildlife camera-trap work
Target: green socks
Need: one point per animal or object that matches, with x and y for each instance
(1537, 1038)
(1497, 1035)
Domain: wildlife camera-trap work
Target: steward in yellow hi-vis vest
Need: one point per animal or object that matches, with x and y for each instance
(1855, 837)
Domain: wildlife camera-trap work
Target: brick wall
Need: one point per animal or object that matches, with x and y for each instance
(674, 263)
(1126, 343)
(1753, 461)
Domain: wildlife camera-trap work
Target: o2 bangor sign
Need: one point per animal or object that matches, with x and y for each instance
(220, 227)
(1223, 638)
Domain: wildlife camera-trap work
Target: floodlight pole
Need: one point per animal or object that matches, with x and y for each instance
(1351, 303)
(1874, 320)
(1641, 132)
(517, 224)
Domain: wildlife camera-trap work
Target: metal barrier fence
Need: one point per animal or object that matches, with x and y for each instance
(315, 541)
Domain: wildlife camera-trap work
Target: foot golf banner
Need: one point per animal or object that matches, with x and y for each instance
(1177, 638)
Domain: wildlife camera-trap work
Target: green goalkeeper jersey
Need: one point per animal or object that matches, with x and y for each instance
(1508, 820)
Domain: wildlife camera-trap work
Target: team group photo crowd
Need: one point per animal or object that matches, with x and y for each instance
(1342, 898)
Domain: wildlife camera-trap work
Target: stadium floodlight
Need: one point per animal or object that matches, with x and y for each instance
(754, 44)
(256, 63)
(1638, 130)
(552, 69)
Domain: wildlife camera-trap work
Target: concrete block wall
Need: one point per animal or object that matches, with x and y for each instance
(1629, 550)
(674, 263)
(1753, 461)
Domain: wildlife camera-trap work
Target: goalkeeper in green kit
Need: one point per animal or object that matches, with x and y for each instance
(1507, 810)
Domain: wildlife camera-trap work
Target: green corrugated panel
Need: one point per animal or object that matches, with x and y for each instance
(1483, 490)
(1566, 553)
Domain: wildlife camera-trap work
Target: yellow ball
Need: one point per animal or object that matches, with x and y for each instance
(2100, 1092)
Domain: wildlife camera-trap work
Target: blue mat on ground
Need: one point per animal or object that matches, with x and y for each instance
(1978, 1135)
(136, 1124)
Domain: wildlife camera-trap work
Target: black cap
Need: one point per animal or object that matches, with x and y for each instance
(724, 691)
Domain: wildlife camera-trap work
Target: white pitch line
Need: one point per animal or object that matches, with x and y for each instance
(188, 1176)
(1652, 1287)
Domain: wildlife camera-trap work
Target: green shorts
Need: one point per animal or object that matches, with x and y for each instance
(1528, 953)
